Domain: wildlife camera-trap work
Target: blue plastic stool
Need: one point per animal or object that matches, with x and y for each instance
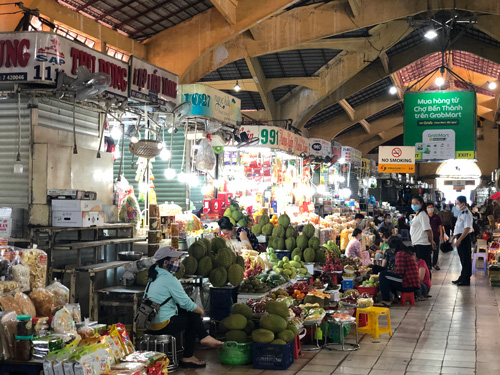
(484, 256)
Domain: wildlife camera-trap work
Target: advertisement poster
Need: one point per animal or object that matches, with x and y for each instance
(210, 102)
(441, 125)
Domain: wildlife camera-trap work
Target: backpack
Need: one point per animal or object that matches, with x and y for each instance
(147, 311)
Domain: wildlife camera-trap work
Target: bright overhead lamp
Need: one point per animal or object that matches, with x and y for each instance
(439, 81)
(237, 87)
(430, 34)
(492, 85)
(393, 90)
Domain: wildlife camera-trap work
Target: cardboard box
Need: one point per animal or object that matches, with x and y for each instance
(5, 226)
(11, 222)
(71, 205)
(76, 219)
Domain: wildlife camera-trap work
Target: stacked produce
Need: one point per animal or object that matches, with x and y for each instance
(272, 280)
(290, 269)
(213, 259)
(275, 326)
(283, 236)
(308, 247)
(253, 285)
(237, 215)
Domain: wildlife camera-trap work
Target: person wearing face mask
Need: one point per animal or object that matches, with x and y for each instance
(476, 219)
(437, 233)
(462, 240)
(447, 219)
(421, 231)
(354, 249)
(387, 224)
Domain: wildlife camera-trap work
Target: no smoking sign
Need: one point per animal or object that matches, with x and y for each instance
(396, 152)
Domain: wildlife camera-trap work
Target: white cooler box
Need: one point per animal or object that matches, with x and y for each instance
(77, 219)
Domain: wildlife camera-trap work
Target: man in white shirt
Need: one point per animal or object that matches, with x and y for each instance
(462, 240)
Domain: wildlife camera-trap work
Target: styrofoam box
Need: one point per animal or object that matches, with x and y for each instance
(5, 226)
(77, 219)
(70, 205)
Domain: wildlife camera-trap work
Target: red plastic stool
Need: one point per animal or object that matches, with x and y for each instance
(363, 319)
(297, 351)
(407, 296)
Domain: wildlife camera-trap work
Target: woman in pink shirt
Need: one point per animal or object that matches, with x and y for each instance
(425, 279)
(353, 249)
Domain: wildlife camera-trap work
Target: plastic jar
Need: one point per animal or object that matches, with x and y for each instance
(22, 348)
(24, 325)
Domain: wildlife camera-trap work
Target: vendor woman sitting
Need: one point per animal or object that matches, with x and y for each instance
(354, 249)
(242, 234)
(180, 313)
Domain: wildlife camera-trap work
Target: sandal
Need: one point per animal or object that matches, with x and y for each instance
(192, 364)
(436, 267)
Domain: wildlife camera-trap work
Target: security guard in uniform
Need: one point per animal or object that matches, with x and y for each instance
(462, 240)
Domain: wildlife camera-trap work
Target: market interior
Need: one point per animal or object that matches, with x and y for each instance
(249, 186)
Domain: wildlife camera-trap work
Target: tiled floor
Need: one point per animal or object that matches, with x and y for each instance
(457, 331)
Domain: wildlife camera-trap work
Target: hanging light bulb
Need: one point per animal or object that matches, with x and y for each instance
(165, 154)
(182, 177)
(134, 139)
(393, 90)
(430, 33)
(170, 173)
(205, 189)
(160, 145)
(193, 180)
(439, 81)
(492, 85)
(237, 87)
(18, 166)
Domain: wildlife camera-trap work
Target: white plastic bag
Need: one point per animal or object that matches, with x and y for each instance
(205, 160)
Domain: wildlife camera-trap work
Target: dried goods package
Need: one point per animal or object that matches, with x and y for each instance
(25, 304)
(37, 262)
(43, 301)
(21, 273)
(60, 293)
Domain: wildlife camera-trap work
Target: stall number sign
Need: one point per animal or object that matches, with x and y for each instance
(396, 159)
(300, 145)
(441, 125)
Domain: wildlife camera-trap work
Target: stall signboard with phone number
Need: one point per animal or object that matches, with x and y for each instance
(277, 138)
(37, 57)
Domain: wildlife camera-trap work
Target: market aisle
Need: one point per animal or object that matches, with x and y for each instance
(452, 333)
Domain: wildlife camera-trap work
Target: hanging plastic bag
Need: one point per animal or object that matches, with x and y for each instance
(122, 189)
(21, 273)
(129, 210)
(212, 126)
(60, 293)
(205, 160)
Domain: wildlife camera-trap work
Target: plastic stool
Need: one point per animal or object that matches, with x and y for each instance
(405, 235)
(164, 344)
(484, 257)
(373, 315)
(408, 296)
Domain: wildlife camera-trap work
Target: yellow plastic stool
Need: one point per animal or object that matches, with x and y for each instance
(372, 327)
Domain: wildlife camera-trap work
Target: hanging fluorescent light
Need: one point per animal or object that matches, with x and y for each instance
(430, 33)
(439, 81)
(237, 87)
(393, 90)
(492, 85)
(170, 173)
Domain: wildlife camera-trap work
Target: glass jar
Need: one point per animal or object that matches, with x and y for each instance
(22, 348)
(24, 325)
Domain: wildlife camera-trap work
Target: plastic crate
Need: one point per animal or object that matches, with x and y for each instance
(371, 290)
(235, 354)
(273, 357)
(222, 300)
(347, 284)
(283, 253)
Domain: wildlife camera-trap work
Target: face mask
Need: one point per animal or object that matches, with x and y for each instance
(415, 207)
(430, 210)
(457, 206)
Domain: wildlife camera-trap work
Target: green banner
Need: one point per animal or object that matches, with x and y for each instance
(440, 124)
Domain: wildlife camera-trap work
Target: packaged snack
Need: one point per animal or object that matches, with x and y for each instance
(148, 358)
(37, 262)
(8, 286)
(115, 344)
(127, 343)
(63, 322)
(128, 368)
(60, 293)
(8, 327)
(9, 303)
(5, 268)
(42, 299)
(25, 304)
(21, 273)
(76, 311)
(85, 331)
(130, 211)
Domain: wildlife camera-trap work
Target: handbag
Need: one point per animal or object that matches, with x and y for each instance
(446, 247)
(147, 311)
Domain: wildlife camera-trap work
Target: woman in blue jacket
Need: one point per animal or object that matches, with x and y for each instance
(180, 313)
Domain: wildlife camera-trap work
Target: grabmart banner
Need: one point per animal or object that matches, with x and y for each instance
(440, 124)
